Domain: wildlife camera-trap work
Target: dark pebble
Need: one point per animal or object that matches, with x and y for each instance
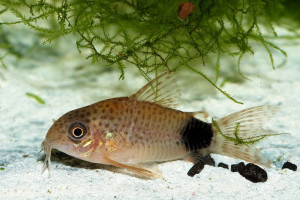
(223, 165)
(196, 169)
(289, 165)
(238, 167)
(254, 173)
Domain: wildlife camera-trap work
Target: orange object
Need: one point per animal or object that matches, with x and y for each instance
(185, 9)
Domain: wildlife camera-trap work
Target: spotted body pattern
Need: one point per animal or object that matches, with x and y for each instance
(119, 124)
(131, 132)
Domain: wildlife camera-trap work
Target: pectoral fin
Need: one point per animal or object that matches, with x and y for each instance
(146, 172)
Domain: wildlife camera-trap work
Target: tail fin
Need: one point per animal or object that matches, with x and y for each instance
(235, 134)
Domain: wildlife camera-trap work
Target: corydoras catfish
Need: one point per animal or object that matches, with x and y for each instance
(138, 131)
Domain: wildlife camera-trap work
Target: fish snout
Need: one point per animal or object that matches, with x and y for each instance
(46, 146)
(47, 149)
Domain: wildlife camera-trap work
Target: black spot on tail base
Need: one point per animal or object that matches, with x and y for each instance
(196, 134)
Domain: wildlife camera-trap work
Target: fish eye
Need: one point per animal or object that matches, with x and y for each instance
(77, 131)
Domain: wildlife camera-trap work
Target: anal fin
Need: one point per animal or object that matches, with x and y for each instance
(142, 171)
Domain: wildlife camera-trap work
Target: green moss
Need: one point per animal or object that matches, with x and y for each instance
(244, 141)
(149, 35)
(35, 97)
(279, 158)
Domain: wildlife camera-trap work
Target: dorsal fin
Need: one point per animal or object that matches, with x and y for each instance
(162, 90)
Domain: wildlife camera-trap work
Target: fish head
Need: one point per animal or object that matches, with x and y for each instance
(74, 134)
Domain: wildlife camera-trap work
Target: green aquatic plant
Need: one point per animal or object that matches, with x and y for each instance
(149, 34)
(7, 48)
(244, 141)
(279, 158)
(35, 97)
(3, 50)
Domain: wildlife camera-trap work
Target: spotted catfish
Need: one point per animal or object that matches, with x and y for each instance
(137, 131)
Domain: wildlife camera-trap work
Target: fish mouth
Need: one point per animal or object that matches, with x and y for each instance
(47, 149)
(85, 148)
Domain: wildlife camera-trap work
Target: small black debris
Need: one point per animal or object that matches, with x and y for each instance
(223, 165)
(196, 169)
(254, 173)
(199, 165)
(289, 165)
(238, 167)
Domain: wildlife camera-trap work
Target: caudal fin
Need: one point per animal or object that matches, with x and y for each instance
(235, 134)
